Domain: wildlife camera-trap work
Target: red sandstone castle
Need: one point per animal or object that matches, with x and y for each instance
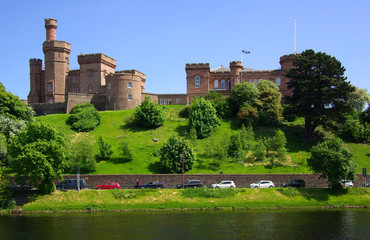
(58, 89)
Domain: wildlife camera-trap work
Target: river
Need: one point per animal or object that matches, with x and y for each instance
(220, 224)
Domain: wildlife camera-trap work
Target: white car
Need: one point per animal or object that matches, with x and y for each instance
(263, 184)
(348, 183)
(224, 184)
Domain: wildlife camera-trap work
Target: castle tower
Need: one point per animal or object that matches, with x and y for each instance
(235, 69)
(36, 83)
(197, 79)
(56, 64)
(286, 61)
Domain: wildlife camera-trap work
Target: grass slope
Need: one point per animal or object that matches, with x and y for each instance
(200, 198)
(114, 130)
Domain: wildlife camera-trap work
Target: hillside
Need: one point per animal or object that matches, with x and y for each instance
(114, 130)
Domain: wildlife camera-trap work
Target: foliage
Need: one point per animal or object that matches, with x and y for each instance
(105, 151)
(3, 150)
(321, 135)
(11, 106)
(185, 111)
(126, 152)
(354, 131)
(174, 153)
(365, 116)
(209, 193)
(39, 154)
(359, 98)
(247, 115)
(203, 117)
(81, 154)
(240, 142)
(6, 197)
(242, 93)
(289, 192)
(268, 103)
(259, 151)
(10, 126)
(320, 92)
(84, 117)
(219, 102)
(332, 161)
(148, 115)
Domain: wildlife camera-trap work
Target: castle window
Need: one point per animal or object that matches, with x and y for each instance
(197, 81)
(236, 80)
(75, 79)
(161, 101)
(129, 84)
(215, 84)
(75, 90)
(90, 88)
(250, 80)
(50, 87)
(228, 84)
(109, 98)
(108, 85)
(278, 81)
(165, 102)
(177, 100)
(223, 84)
(255, 81)
(169, 101)
(129, 97)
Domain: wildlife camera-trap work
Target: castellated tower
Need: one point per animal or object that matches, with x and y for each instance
(236, 68)
(36, 83)
(56, 64)
(197, 79)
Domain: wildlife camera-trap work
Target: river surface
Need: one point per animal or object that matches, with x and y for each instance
(222, 224)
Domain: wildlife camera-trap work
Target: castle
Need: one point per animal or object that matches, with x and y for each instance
(58, 89)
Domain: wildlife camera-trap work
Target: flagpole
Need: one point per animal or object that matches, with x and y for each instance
(241, 72)
(295, 35)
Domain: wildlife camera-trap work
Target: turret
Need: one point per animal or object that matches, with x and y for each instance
(51, 29)
(235, 69)
(286, 61)
(34, 95)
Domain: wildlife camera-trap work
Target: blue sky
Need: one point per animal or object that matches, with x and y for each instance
(159, 37)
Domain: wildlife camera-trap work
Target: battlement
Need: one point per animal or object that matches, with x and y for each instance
(236, 64)
(96, 58)
(197, 65)
(54, 44)
(50, 22)
(35, 61)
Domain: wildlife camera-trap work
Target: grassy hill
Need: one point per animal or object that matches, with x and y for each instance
(114, 130)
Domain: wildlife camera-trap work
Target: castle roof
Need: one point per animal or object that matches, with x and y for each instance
(225, 69)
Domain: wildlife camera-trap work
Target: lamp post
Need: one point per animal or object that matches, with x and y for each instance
(182, 159)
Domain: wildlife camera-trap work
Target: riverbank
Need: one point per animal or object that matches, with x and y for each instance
(201, 198)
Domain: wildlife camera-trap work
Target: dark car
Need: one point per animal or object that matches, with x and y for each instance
(191, 184)
(155, 185)
(20, 186)
(70, 184)
(297, 183)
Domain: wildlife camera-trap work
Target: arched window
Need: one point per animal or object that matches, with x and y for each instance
(278, 81)
(250, 80)
(223, 84)
(228, 84)
(129, 84)
(236, 80)
(215, 84)
(129, 97)
(108, 85)
(197, 81)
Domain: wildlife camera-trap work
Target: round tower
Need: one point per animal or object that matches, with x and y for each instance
(34, 95)
(286, 61)
(235, 69)
(51, 29)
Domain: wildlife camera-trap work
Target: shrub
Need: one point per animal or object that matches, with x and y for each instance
(242, 93)
(259, 151)
(219, 102)
(6, 197)
(148, 115)
(126, 152)
(184, 112)
(105, 152)
(82, 153)
(353, 131)
(247, 115)
(84, 117)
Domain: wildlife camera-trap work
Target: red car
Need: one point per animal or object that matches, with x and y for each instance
(108, 185)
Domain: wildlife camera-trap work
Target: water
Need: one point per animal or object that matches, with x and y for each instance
(237, 224)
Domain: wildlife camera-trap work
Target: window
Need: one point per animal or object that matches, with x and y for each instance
(75, 79)
(90, 88)
(250, 80)
(129, 84)
(215, 84)
(255, 81)
(75, 90)
(165, 102)
(129, 97)
(161, 101)
(197, 81)
(236, 80)
(278, 81)
(228, 84)
(169, 101)
(177, 100)
(109, 98)
(50, 87)
(108, 85)
(223, 84)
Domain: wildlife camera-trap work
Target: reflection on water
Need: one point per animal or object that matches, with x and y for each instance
(239, 224)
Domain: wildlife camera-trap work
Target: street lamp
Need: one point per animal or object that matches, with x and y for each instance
(182, 159)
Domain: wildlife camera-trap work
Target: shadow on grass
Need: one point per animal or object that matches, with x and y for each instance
(182, 130)
(154, 167)
(321, 194)
(118, 160)
(133, 128)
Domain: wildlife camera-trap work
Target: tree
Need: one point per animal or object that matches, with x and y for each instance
(247, 115)
(84, 117)
(10, 126)
(11, 106)
(81, 150)
(173, 153)
(126, 153)
(359, 98)
(242, 93)
(332, 161)
(105, 152)
(219, 102)
(202, 117)
(319, 89)
(268, 103)
(148, 115)
(39, 154)
(6, 196)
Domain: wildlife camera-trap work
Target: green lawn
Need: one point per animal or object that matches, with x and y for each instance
(114, 130)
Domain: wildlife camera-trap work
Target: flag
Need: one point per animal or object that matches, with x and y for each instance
(246, 52)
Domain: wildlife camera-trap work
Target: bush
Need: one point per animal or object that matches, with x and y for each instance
(354, 131)
(242, 93)
(259, 151)
(219, 102)
(82, 154)
(6, 197)
(184, 112)
(105, 152)
(126, 152)
(84, 117)
(173, 153)
(247, 115)
(148, 115)
(203, 117)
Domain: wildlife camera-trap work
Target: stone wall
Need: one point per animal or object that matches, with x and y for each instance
(171, 180)
(49, 108)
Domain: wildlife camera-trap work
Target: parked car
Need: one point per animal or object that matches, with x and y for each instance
(297, 183)
(70, 184)
(367, 184)
(263, 184)
(108, 186)
(191, 184)
(20, 186)
(155, 185)
(224, 184)
(346, 183)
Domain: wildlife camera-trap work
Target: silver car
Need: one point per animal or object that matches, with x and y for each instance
(263, 184)
(346, 183)
(224, 184)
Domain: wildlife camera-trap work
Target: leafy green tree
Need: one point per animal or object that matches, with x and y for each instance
(39, 154)
(173, 153)
(268, 103)
(332, 161)
(6, 196)
(84, 117)
(359, 98)
(105, 152)
(242, 93)
(10, 126)
(365, 116)
(219, 102)
(203, 117)
(148, 115)
(247, 115)
(320, 91)
(11, 106)
(126, 152)
(354, 131)
(3, 151)
(81, 150)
